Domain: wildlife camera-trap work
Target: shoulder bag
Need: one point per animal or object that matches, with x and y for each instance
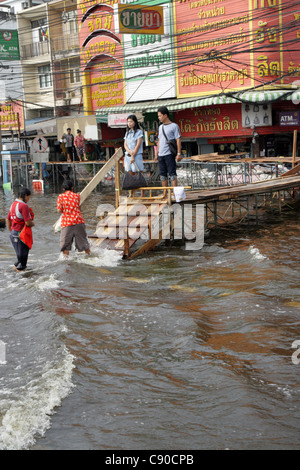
(171, 143)
(135, 181)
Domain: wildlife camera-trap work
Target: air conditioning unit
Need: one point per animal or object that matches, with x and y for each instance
(67, 95)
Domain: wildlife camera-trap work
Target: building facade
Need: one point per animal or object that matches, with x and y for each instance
(228, 71)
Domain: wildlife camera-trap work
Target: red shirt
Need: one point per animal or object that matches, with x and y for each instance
(69, 203)
(79, 141)
(19, 214)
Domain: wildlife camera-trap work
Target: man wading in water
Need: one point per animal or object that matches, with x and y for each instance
(72, 222)
(19, 222)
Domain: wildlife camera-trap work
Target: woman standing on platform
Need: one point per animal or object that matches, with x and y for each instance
(133, 143)
(79, 143)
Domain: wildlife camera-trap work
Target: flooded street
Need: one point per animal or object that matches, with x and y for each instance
(173, 350)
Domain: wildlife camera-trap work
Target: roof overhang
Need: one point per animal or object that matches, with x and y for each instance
(261, 97)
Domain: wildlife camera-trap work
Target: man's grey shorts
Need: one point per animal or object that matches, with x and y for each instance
(74, 232)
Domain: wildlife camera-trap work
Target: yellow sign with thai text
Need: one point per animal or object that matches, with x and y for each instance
(139, 19)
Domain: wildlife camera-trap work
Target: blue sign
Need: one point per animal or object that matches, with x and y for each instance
(289, 118)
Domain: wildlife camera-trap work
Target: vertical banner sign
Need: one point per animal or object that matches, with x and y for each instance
(276, 36)
(127, 52)
(149, 59)
(101, 56)
(212, 42)
(225, 46)
(11, 115)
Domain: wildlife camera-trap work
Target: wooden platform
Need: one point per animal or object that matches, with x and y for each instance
(129, 228)
(238, 158)
(139, 221)
(131, 222)
(232, 192)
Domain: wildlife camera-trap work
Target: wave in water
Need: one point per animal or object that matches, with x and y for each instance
(29, 416)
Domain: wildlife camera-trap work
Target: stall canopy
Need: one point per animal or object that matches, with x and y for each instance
(187, 103)
(46, 127)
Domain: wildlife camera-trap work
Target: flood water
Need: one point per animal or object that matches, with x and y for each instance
(174, 350)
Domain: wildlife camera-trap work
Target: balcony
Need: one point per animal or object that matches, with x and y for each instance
(69, 98)
(65, 46)
(35, 49)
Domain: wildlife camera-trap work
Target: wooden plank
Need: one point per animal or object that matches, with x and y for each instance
(236, 159)
(291, 172)
(253, 188)
(100, 175)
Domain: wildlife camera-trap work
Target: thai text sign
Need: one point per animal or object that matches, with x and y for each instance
(11, 116)
(211, 121)
(149, 61)
(133, 19)
(226, 46)
(101, 56)
(117, 120)
(9, 45)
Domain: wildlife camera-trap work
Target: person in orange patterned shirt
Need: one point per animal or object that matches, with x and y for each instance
(72, 222)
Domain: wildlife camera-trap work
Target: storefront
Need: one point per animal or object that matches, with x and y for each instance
(241, 122)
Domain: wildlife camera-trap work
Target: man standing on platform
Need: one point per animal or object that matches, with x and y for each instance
(167, 156)
(68, 140)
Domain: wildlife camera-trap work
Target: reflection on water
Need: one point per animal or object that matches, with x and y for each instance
(175, 350)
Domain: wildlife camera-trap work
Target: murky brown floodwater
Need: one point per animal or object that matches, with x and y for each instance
(174, 350)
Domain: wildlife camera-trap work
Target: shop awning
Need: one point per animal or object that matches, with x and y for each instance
(186, 103)
(46, 127)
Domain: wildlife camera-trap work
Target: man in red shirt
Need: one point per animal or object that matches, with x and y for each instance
(72, 222)
(19, 216)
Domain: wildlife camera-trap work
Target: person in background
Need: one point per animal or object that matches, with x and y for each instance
(79, 143)
(68, 140)
(133, 144)
(72, 222)
(156, 145)
(167, 161)
(20, 217)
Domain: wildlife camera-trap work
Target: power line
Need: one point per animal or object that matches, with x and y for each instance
(187, 61)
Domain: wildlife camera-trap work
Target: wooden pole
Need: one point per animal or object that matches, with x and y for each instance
(100, 175)
(294, 148)
(118, 183)
(19, 128)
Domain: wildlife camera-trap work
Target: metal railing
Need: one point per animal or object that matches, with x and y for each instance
(201, 175)
(66, 44)
(35, 49)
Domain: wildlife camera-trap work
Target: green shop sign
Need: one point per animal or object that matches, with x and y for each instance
(9, 45)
